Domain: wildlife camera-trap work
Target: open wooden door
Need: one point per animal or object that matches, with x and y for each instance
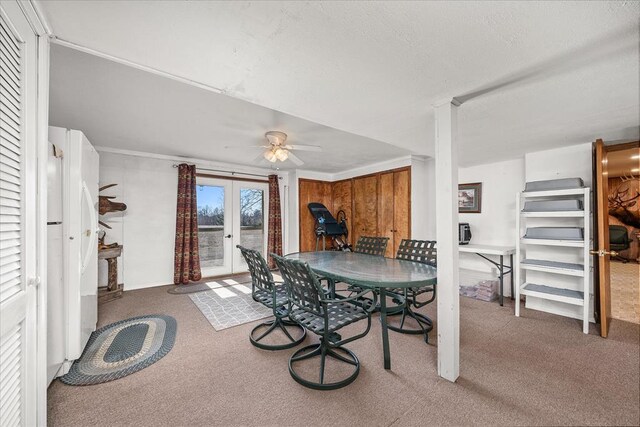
(601, 245)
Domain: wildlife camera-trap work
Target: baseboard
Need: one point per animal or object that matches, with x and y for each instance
(144, 286)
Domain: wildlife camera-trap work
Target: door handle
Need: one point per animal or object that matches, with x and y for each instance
(228, 236)
(602, 253)
(34, 281)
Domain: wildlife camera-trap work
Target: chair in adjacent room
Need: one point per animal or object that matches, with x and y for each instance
(371, 245)
(424, 252)
(324, 317)
(273, 295)
(619, 240)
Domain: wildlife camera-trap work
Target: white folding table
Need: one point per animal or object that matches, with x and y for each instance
(500, 251)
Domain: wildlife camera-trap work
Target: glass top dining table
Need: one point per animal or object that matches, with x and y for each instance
(370, 272)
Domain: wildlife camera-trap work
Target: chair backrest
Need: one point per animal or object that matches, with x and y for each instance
(618, 235)
(371, 245)
(261, 277)
(303, 288)
(423, 251)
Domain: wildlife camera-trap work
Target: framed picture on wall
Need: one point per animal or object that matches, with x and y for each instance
(470, 198)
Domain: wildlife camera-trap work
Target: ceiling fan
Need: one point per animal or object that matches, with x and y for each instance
(279, 150)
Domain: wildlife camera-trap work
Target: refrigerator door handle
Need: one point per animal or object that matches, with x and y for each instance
(92, 236)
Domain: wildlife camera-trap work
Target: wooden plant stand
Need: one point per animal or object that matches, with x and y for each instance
(113, 290)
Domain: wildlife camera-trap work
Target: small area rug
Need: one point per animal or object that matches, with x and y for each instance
(122, 348)
(229, 305)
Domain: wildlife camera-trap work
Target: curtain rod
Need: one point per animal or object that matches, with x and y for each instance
(233, 173)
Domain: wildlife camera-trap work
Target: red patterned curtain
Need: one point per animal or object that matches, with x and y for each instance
(187, 253)
(274, 242)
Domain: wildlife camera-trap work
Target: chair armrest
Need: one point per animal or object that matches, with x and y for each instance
(354, 298)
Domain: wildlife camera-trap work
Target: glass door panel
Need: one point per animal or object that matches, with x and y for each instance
(214, 226)
(250, 220)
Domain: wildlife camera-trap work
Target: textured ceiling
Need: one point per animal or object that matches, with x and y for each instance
(122, 107)
(534, 75)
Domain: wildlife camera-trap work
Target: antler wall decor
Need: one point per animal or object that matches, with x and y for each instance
(623, 199)
(105, 205)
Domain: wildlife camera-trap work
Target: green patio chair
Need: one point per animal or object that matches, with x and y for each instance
(273, 295)
(324, 317)
(421, 251)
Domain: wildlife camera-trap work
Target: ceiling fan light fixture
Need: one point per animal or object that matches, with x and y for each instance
(275, 137)
(281, 154)
(270, 155)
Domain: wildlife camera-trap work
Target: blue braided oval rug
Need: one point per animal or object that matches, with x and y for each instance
(122, 348)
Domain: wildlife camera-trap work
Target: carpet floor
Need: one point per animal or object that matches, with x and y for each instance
(535, 370)
(625, 291)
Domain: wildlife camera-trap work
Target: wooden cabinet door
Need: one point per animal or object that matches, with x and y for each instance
(365, 207)
(401, 207)
(386, 211)
(342, 200)
(311, 191)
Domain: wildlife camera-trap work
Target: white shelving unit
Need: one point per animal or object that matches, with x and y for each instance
(554, 274)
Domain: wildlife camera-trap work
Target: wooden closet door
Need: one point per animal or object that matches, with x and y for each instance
(401, 207)
(342, 200)
(311, 191)
(365, 207)
(386, 211)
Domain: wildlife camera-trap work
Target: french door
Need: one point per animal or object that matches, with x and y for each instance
(230, 213)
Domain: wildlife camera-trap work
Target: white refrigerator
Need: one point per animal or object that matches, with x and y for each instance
(56, 341)
(73, 262)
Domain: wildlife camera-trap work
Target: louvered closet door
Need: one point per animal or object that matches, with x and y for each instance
(18, 59)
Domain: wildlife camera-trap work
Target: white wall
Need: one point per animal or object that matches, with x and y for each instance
(495, 225)
(423, 196)
(566, 162)
(147, 228)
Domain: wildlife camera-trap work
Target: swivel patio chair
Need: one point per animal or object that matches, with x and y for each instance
(324, 317)
(371, 245)
(376, 246)
(424, 252)
(273, 295)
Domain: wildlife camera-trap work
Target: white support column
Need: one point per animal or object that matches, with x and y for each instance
(446, 151)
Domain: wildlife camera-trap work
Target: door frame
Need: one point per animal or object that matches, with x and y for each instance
(233, 262)
(602, 260)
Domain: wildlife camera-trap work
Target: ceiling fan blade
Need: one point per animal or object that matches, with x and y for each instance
(259, 159)
(246, 146)
(295, 159)
(303, 147)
